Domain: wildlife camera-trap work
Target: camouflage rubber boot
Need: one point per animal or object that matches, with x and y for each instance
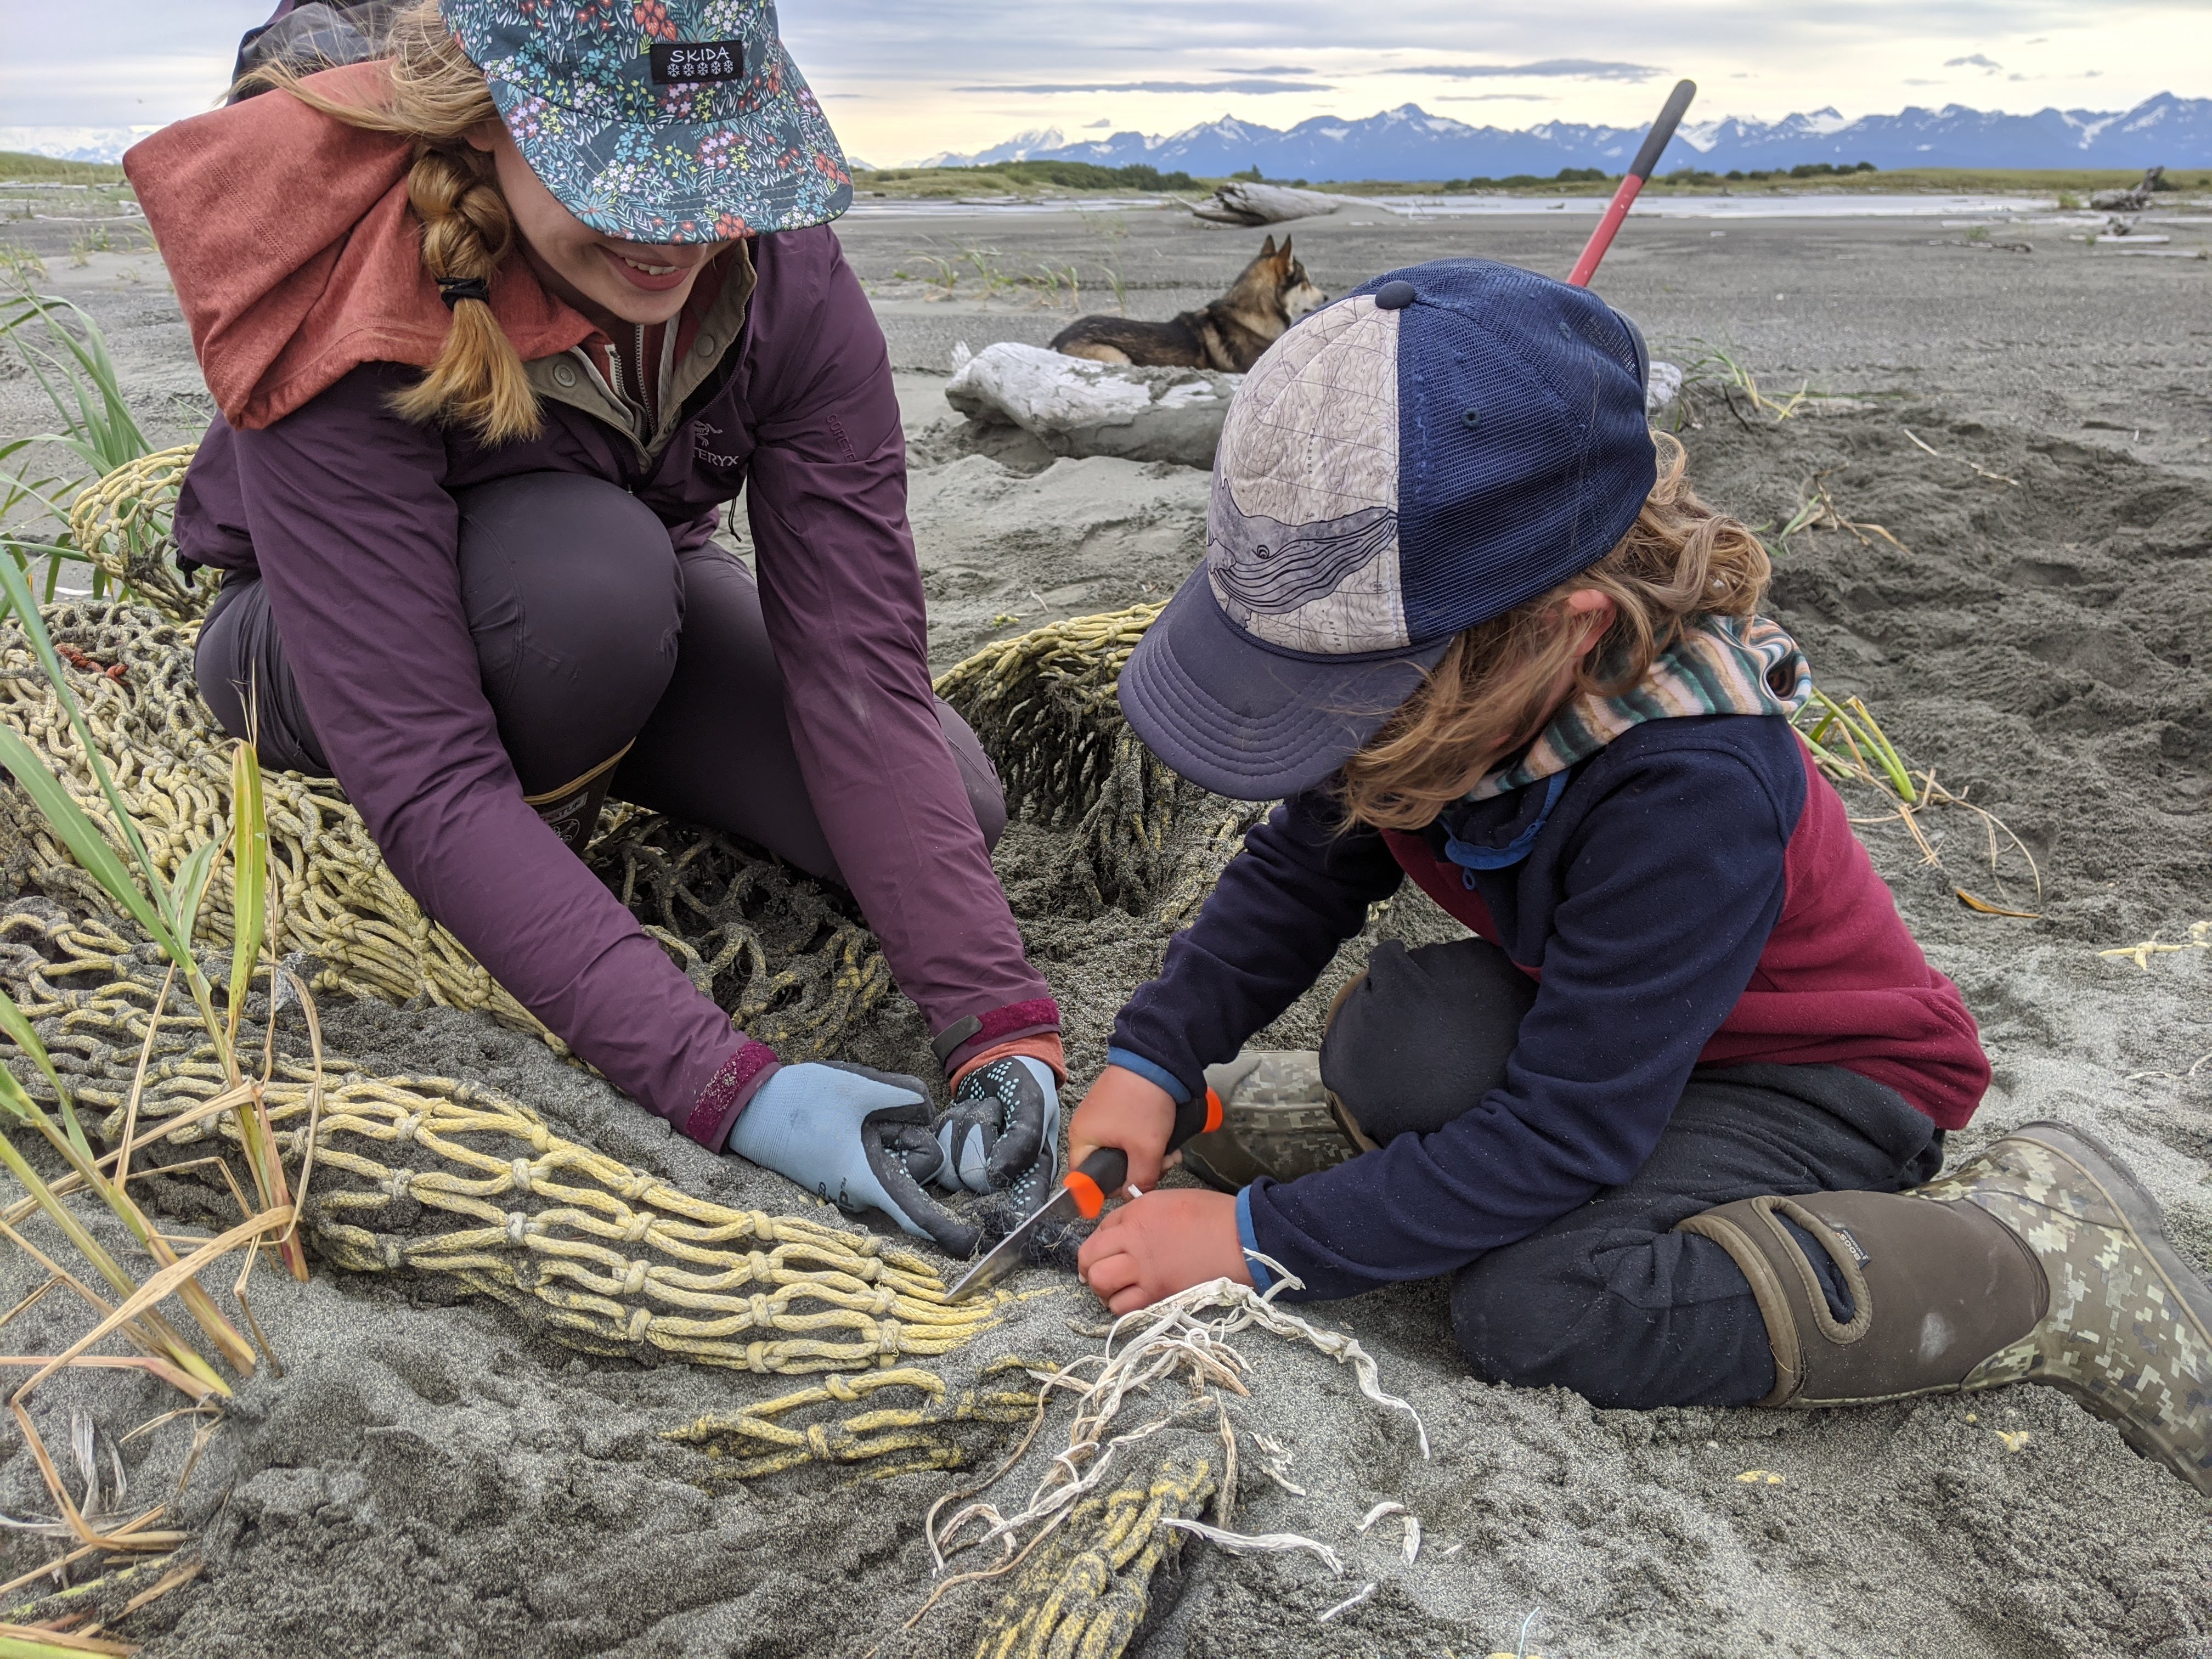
(2042, 1259)
(1276, 1121)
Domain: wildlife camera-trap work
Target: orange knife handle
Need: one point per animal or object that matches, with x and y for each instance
(1100, 1176)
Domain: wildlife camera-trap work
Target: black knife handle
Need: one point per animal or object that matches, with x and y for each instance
(1106, 1171)
(1096, 1179)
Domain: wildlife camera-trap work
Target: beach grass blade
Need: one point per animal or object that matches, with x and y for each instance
(42, 646)
(18, 1028)
(74, 1152)
(86, 842)
(249, 855)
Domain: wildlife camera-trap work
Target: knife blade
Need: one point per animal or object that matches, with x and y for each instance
(1083, 1192)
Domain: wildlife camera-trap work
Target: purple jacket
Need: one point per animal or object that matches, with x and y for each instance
(784, 386)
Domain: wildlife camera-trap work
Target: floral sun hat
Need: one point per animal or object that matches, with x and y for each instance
(660, 121)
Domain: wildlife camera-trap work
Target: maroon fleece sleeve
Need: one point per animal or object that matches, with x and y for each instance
(357, 541)
(843, 597)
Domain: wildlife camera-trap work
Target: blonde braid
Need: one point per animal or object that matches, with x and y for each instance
(467, 232)
(436, 96)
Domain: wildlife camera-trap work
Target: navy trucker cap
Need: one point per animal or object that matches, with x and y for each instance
(1441, 445)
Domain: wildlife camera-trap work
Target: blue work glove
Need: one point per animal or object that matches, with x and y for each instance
(1002, 1133)
(858, 1137)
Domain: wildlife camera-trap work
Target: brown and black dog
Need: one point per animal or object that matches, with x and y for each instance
(1229, 335)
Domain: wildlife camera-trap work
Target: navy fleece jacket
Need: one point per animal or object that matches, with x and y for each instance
(1646, 907)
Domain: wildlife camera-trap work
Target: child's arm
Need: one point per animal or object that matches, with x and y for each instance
(1673, 877)
(1298, 890)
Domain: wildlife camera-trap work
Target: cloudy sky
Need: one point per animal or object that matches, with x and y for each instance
(906, 78)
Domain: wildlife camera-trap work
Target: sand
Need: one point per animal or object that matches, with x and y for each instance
(431, 1477)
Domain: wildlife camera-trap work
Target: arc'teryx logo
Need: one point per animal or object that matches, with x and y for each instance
(703, 432)
(689, 61)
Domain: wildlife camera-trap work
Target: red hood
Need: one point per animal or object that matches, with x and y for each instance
(295, 255)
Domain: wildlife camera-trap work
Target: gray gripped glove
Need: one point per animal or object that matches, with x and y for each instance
(1002, 1133)
(857, 1137)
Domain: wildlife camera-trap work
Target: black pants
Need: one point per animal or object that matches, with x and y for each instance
(1608, 1300)
(592, 632)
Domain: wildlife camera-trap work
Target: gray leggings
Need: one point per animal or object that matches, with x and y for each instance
(592, 632)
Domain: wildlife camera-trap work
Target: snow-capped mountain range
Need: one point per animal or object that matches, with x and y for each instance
(1409, 142)
(73, 143)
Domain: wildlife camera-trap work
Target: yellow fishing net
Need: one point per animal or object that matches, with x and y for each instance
(1042, 704)
(773, 947)
(433, 1175)
(1084, 1592)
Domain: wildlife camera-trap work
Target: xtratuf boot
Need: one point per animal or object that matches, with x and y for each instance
(573, 810)
(2042, 1260)
(1275, 1120)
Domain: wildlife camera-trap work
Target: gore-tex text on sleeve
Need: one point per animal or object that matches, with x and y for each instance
(358, 542)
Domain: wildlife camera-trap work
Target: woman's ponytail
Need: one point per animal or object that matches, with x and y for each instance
(467, 231)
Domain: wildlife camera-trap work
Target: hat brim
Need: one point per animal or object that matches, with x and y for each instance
(1246, 719)
(777, 167)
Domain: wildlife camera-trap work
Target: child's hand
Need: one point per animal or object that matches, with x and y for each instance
(1125, 1111)
(1160, 1243)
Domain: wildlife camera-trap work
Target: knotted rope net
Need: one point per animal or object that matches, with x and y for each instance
(933, 1435)
(1086, 1590)
(122, 523)
(454, 1182)
(1043, 705)
(783, 954)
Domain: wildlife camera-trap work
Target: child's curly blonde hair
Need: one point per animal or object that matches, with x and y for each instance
(1494, 688)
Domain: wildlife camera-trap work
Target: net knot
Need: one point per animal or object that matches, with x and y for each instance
(759, 1266)
(522, 1171)
(639, 1225)
(398, 1181)
(887, 1339)
(818, 1441)
(407, 1126)
(764, 1315)
(757, 1356)
(641, 1320)
(634, 1280)
(840, 1388)
(518, 1226)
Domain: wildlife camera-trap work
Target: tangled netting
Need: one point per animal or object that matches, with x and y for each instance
(1043, 705)
(1084, 1592)
(123, 524)
(780, 952)
(890, 1439)
(430, 1176)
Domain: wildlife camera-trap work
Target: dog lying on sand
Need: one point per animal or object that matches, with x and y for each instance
(1227, 336)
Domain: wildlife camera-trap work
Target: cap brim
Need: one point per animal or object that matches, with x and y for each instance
(1245, 719)
(777, 167)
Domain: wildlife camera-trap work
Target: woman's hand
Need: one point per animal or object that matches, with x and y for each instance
(1129, 1112)
(1162, 1242)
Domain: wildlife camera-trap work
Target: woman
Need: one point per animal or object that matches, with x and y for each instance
(496, 324)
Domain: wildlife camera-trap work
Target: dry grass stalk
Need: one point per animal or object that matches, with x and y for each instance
(114, 853)
(1848, 744)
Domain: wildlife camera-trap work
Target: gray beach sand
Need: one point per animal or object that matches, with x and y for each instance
(431, 1476)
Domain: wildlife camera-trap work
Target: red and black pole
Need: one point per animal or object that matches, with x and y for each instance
(1639, 173)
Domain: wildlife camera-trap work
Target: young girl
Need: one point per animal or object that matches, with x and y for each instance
(1671, 1116)
(496, 325)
